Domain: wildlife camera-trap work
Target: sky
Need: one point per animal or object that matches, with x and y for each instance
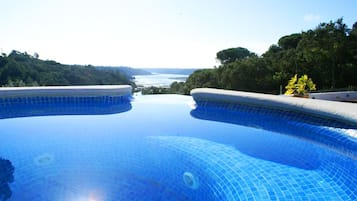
(157, 33)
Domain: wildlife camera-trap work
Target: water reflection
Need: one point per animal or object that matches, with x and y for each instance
(48, 106)
(280, 148)
(6, 177)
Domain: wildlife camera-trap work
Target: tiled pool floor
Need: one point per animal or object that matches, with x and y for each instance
(143, 152)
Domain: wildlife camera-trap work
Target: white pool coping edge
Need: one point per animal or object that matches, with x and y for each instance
(329, 109)
(66, 91)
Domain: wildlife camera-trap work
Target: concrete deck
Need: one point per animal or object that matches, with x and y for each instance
(344, 96)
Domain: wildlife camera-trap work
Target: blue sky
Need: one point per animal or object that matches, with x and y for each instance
(157, 33)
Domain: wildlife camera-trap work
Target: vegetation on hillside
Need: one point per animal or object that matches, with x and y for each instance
(128, 71)
(175, 88)
(22, 69)
(328, 54)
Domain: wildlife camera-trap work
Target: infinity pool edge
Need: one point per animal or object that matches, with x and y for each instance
(67, 91)
(341, 111)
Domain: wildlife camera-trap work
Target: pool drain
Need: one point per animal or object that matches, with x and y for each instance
(44, 159)
(190, 180)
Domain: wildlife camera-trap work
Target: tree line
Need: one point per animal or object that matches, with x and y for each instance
(327, 54)
(22, 69)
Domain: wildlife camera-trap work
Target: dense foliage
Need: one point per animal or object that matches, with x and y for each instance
(234, 54)
(328, 54)
(128, 71)
(21, 69)
(175, 88)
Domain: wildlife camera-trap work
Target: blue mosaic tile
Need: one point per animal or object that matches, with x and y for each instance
(240, 153)
(240, 177)
(328, 132)
(46, 106)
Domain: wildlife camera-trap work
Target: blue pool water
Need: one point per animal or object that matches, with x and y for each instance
(163, 148)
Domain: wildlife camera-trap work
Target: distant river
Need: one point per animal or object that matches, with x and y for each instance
(158, 80)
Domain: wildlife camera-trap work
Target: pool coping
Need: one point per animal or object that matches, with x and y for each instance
(68, 91)
(342, 111)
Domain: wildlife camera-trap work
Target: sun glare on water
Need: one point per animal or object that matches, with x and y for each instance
(93, 196)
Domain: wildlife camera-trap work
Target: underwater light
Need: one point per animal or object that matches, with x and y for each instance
(190, 180)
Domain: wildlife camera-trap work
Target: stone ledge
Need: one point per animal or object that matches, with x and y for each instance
(67, 91)
(329, 109)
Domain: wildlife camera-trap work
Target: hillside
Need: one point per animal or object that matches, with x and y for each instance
(327, 54)
(22, 69)
(130, 72)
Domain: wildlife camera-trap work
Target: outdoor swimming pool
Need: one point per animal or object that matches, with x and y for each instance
(163, 147)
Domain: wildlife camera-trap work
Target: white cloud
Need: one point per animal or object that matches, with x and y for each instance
(312, 18)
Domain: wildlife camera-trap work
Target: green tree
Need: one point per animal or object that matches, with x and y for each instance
(233, 54)
(177, 88)
(251, 74)
(202, 78)
(289, 41)
(325, 49)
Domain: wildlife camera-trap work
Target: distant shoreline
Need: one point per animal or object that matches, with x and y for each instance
(158, 80)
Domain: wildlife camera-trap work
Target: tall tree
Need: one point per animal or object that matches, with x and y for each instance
(325, 50)
(289, 41)
(327, 54)
(233, 54)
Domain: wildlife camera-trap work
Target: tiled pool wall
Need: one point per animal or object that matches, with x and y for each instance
(64, 100)
(43, 106)
(338, 120)
(328, 132)
(329, 125)
(347, 112)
